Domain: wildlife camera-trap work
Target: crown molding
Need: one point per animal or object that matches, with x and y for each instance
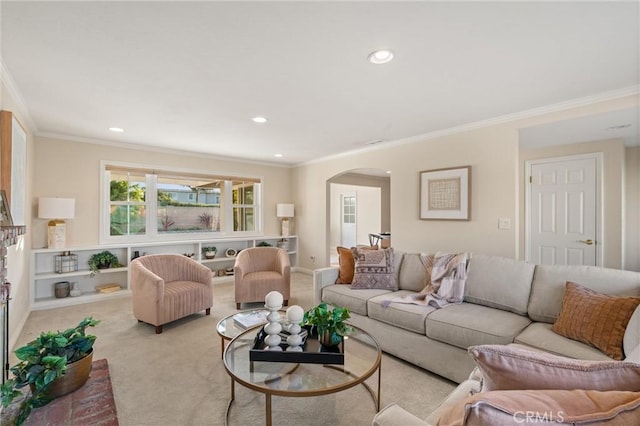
(150, 148)
(12, 88)
(535, 112)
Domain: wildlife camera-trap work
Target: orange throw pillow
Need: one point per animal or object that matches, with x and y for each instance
(594, 318)
(347, 266)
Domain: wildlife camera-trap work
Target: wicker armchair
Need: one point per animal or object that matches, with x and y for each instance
(167, 287)
(259, 270)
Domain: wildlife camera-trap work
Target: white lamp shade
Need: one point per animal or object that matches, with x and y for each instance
(56, 208)
(284, 210)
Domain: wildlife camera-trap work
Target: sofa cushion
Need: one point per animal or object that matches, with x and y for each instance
(631, 338)
(512, 368)
(594, 318)
(466, 324)
(374, 269)
(414, 273)
(355, 300)
(499, 282)
(550, 406)
(347, 265)
(539, 335)
(407, 316)
(549, 282)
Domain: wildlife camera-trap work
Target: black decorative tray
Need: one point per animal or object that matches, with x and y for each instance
(312, 352)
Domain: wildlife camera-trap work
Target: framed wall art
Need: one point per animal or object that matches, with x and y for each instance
(445, 194)
(13, 158)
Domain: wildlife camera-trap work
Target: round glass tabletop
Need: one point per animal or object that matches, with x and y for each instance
(361, 359)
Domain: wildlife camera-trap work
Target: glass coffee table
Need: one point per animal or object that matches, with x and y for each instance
(228, 327)
(362, 358)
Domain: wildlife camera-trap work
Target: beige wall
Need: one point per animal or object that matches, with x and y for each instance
(612, 177)
(18, 255)
(632, 209)
(72, 169)
(491, 152)
(497, 190)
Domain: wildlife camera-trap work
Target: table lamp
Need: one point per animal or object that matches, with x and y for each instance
(56, 209)
(284, 211)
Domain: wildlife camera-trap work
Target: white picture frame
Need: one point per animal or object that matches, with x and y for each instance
(445, 194)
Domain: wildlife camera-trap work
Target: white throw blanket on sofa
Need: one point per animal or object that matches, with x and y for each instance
(446, 278)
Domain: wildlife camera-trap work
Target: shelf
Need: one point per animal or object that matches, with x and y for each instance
(87, 297)
(43, 261)
(79, 273)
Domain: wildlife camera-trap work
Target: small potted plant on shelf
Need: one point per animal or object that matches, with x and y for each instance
(209, 252)
(264, 244)
(53, 365)
(103, 260)
(329, 324)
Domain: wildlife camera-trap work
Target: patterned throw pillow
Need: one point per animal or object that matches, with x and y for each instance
(594, 318)
(374, 269)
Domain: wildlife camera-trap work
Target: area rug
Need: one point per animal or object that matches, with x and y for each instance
(92, 404)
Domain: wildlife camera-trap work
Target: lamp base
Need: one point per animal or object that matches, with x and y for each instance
(56, 234)
(285, 227)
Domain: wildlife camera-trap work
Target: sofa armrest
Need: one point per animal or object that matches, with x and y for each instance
(321, 278)
(394, 415)
(463, 390)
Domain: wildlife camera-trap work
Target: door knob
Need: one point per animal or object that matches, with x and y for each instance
(587, 242)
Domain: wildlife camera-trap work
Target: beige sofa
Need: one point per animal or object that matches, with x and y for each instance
(506, 302)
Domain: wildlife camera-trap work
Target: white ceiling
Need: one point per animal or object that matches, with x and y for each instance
(190, 75)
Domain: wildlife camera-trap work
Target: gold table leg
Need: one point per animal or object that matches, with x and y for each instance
(267, 401)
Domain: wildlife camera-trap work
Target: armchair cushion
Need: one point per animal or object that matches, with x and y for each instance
(576, 406)
(512, 368)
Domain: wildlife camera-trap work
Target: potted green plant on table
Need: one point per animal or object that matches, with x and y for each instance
(209, 252)
(329, 323)
(103, 260)
(54, 364)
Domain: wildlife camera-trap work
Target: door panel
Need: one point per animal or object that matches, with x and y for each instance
(563, 212)
(348, 220)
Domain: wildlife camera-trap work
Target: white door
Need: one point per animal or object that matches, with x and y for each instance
(563, 211)
(348, 220)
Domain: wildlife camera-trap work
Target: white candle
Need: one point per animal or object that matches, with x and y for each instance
(274, 299)
(295, 314)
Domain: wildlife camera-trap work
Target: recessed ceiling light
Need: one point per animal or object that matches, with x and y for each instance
(116, 129)
(388, 172)
(278, 155)
(380, 56)
(259, 120)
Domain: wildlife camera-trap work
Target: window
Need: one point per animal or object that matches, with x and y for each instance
(349, 210)
(142, 202)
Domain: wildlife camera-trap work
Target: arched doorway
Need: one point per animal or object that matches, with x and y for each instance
(358, 203)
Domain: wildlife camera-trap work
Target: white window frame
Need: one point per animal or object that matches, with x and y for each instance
(226, 229)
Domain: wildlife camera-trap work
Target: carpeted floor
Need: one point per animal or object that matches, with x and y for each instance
(177, 377)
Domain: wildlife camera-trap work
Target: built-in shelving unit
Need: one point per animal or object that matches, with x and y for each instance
(44, 276)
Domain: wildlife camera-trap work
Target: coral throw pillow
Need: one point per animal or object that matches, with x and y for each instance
(594, 318)
(347, 265)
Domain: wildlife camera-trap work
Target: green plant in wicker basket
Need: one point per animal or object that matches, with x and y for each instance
(330, 324)
(44, 360)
